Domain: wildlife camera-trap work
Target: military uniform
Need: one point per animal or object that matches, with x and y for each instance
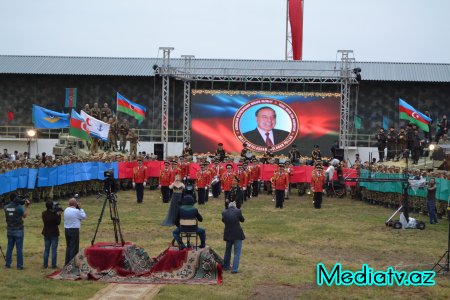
(96, 112)
(123, 132)
(317, 182)
(106, 111)
(381, 144)
(280, 182)
(315, 154)
(165, 179)
(391, 141)
(401, 143)
(226, 181)
(202, 180)
(133, 138)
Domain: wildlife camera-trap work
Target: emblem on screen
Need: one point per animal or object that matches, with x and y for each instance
(266, 122)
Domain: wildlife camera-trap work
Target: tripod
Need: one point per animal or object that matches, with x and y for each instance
(114, 214)
(443, 264)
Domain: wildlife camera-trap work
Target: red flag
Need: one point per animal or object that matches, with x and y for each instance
(10, 116)
(296, 21)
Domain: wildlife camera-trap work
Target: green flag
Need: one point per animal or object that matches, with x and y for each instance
(78, 126)
(358, 122)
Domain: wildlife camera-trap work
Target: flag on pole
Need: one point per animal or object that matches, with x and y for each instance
(71, 97)
(358, 122)
(133, 109)
(386, 122)
(10, 116)
(407, 112)
(97, 129)
(78, 126)
(48, 119)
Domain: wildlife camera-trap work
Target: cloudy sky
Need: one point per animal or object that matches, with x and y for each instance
(382, 30)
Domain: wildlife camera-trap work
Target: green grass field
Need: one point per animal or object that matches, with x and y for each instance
(280, 253)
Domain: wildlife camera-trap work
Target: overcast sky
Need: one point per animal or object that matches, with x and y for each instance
(377, 30)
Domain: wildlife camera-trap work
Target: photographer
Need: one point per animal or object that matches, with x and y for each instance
(51, 218)
(431, 201)
(15, 212)
(72, 223)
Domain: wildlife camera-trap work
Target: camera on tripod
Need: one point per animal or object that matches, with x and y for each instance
(109, 186)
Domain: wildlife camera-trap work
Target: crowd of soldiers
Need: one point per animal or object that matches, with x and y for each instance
(119, 132)
(54, 193)
(248, 165)
(393, 200)
(408, 141)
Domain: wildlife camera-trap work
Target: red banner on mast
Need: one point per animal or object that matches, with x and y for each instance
(296, 22)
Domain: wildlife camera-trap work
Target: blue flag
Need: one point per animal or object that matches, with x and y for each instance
(386, 122)
(48, 119)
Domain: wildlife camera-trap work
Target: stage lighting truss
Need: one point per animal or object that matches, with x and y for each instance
(345, 76)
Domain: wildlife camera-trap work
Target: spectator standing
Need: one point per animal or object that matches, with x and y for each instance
(73, 215)
(431, 201)
(51, 220)
(233, 235)
(15, 212)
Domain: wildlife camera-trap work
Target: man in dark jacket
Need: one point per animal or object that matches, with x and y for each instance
(187, 211)
(233, 235)
(51, 219)
(15, 212)
(381, 144)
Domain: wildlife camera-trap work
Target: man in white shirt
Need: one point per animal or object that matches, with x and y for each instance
(330, 174)
(72, 223)
(13, 156)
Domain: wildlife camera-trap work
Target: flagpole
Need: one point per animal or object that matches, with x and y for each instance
(117, 106)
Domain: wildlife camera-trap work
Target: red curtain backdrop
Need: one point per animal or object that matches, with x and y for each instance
(296, 22)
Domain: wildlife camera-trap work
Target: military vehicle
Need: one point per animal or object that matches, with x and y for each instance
(68, 145)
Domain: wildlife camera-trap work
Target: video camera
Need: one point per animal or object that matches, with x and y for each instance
(57, 207)
(19, 199)
(109, 186)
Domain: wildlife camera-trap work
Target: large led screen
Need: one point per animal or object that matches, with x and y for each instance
(278, 120)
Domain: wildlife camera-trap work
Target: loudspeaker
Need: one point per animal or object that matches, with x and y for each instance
(339, 154)
(158, 150)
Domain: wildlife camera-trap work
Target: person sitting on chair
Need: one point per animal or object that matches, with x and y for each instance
(187, 211)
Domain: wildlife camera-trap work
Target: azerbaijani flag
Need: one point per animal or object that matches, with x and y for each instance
(407, 112)
(78, 126)
(71, 97)
(133, 109)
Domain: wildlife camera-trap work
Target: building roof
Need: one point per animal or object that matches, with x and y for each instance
(113, 66)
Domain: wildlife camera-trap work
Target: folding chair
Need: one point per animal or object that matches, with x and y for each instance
(188, 230)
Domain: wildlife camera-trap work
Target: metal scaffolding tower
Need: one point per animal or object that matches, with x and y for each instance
(345, 76)
(165, 71)
(187, 98)
(346, 80)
